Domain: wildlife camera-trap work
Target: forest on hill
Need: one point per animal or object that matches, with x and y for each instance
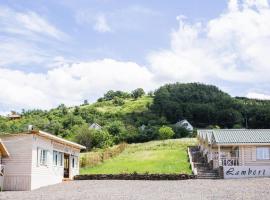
(139, 117)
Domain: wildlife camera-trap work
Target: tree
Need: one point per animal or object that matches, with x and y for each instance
(165, 132)
(101, 139)
(84, 137)
(115, 128)
(118, 101)
(139, 92)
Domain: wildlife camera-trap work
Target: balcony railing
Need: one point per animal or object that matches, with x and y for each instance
(230, 161)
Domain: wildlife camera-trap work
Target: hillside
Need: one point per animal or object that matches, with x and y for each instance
(136, 117)
(129, 106)
(167, 157)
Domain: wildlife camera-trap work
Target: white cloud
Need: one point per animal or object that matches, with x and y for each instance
(132, 17)
(70, 84)
(231, 48)
(254, 95)
(101, 24)
(23, 37)
(28, 24)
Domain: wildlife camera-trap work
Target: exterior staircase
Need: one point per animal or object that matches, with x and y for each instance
(201, 166)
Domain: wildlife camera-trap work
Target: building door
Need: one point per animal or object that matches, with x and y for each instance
(66, 166)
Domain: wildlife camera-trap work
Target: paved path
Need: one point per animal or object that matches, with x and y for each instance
(149, 190)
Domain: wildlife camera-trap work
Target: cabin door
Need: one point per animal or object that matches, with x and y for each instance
(66, 166)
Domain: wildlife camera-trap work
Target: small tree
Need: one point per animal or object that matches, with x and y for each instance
(84, 136)
(118, 101)
(165, 132)
(139, 92)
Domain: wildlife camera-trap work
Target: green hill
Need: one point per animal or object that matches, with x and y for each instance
(135, 117)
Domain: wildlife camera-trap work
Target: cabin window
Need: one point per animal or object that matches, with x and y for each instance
(55, 158)
(60, 159)
(262, 153)
(73, 162)
(43, 157)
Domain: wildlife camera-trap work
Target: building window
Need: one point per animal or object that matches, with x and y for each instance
(55, 158)
(43, 156)
(262, 153)
(60, 159)
(73, 162)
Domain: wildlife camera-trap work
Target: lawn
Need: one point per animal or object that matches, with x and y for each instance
(168, 157)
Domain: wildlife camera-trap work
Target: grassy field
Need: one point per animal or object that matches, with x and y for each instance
(168, 157)
(129, 106)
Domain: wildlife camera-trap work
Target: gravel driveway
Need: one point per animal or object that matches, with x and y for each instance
(113, 189)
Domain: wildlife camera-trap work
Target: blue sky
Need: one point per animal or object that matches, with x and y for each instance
(65, 51)
(136, 27)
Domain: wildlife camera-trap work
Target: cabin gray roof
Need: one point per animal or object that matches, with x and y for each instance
(227, 136)
(205, 134)
(238, 136)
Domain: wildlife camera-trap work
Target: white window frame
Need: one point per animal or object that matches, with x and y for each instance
(61, 158)
(55, 158)
(42, 157)
(262, 153)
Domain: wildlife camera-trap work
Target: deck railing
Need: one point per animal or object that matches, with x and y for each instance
(230, 161)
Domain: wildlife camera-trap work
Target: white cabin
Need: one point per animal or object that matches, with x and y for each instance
(35, 159)
(184, 124)
(95, 126)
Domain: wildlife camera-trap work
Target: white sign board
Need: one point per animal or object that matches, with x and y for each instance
(246, 171)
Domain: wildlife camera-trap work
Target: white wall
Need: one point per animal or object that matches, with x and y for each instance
(44, 175)
(50, 174)
(18, 164)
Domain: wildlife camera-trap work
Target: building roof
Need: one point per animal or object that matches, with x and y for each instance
(48, 136)
(203, 134)
(58, 139)
(95, 126)
(237, 136)
(3, 149)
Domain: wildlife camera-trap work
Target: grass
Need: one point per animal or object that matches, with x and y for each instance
(167, 157)
(130, 105)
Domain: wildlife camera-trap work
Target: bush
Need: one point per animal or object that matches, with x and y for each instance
(181, 132)
(101, 139)
(139, 92)
(118, 101)
(165, 132)
(84, 137)
(115, 128)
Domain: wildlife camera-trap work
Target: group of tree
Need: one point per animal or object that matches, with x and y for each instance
(202, 105)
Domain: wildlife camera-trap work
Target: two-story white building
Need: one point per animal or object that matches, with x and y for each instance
(34, 159)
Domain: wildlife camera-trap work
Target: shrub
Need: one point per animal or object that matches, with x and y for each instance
(84, 137)
(101, 139)
(118, 101)
(139, 92)
(165, 132)
(181, 132)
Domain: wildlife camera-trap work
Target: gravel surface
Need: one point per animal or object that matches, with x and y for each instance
(113, 189)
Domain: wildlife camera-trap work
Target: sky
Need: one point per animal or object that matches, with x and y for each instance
(64, 51)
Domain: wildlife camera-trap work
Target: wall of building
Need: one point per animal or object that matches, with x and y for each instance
(250, 159)
(18, 165)
(50, 174)
(43, 175)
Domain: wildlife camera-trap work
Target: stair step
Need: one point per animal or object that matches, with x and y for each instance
(208, 178)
